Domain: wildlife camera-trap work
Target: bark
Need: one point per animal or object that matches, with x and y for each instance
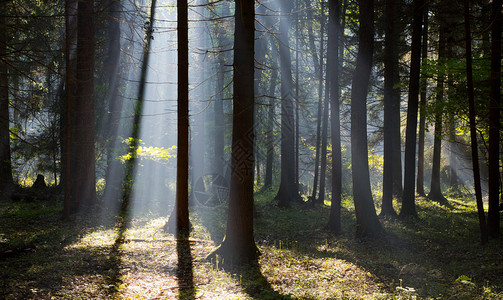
(473, 128)
(67, 113)
(84, 175)
(334, 221)
(493, 217)
(408, 199)
(435, 189)
(367, 223)
(181, 211)
(319, 70)
(238, 246)
(6, 180)
(324, 136)
(422, 112)
(115, 170)
(270, 131)
(288, 191)
(390, 70)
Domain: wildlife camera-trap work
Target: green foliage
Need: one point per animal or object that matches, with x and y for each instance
(144, 153)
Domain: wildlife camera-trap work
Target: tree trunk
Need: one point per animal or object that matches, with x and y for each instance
(408, 199)
(435, 189)
(114, 170)
(324, 136)
(493, 217)
(390, 70)
(366, 217)
(181, 211)
(422, 111)
(318, 66)
(238, 246)
(84, 175)
(270, 131)
(6, 180)
(67, 112)
(334, 221)
(288, 191)
(473, 128)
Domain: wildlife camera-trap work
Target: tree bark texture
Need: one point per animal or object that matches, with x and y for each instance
(408, 198)
(238, 246)
(367, 223)
(493, 217)
(287, 189)
(422, 111)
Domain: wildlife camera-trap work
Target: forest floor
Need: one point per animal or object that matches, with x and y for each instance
(436, 256)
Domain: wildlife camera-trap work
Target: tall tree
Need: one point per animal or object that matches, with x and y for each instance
(288, 190)
(334, 15)
(67, 115)
(114, 170)
(390, 70)
(367, 222)
(408, 198)
(270, 131)
(181, 211)
(84, 176)
(238, 246)
(435, 189)
(6, 179)
(473, 128)
(318, 66)
(493, 217)
(422, 111)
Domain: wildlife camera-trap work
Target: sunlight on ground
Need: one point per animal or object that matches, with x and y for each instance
(146, 268)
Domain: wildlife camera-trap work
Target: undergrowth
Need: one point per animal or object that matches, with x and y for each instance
(435, 256)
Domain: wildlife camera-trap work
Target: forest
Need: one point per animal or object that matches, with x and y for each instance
(267, 149)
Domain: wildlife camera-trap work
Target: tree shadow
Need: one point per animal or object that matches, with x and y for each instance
(184, 270)
(256, 285)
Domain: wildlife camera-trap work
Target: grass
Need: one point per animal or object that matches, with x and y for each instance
(437, 256)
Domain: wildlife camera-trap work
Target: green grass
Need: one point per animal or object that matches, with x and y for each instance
(437, 256)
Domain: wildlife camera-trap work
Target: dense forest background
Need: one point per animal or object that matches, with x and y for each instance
(254, 120)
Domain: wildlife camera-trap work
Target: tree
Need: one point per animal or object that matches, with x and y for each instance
(408, 199)
(181, 211)
(288, 190)
(367, 222)
(6, 180)
(493, 217)
(84, 175)
(435, 190)
(334, 222)
(318, 66)
(238, 246)
(390, 75)
(473, 128)
(422, 111)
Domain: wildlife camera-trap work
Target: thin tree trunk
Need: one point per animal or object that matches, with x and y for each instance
(334, 221)
(422, 111)
(367, 223)
(297, 100)
(318, 70)
(67, 115)
(324, 136)
(408, 199)
(270, 131)
(493, 217)
(181, 211)
(6, 180)
(435, 189)
(473, 128)
(390, 68)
